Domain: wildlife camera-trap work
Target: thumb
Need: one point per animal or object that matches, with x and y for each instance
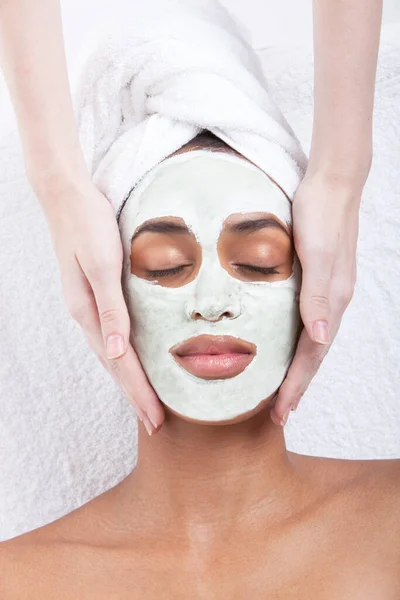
(315, 300)
(113, 313)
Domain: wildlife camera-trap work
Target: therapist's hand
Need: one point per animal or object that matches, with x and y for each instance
(88, 247)
(325, 227)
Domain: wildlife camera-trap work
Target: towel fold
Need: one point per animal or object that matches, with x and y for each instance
(175, 68)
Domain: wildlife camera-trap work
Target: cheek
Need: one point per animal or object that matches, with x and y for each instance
(153, 308)
(272, 313)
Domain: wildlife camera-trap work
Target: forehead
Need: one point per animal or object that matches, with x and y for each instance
(205, 189)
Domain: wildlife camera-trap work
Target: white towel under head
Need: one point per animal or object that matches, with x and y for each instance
(175, 68)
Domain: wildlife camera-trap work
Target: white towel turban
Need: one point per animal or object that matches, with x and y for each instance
(172, 69)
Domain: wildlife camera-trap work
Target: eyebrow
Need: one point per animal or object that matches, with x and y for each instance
(160, 227)
(253, 225)
(249, 226)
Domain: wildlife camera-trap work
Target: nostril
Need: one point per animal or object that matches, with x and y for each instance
(196, 316)
(227, 315)
(212, 316)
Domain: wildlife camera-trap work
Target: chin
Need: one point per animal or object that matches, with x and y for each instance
(264, 405)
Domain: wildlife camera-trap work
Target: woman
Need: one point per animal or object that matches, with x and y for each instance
(346, 46)
(216, 506)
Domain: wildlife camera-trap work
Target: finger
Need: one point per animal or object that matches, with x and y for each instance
(115, 323)
(129, 375)
(315, 296)
(342, 286)
(79, 298)
(96, 344)
(306, 362)
(304, 367)
(97, 349)
(113, 313)
(82, 307)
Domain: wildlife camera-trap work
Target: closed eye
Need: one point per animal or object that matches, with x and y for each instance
(167, 272)
(255, 269)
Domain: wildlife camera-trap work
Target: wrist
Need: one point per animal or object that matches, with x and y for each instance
(58, 178)
(60, 188)
(345, 165)
(345, 189)
(338, 175)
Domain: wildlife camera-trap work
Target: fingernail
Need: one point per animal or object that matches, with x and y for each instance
(147, 424)
(143, 417)
(286, 416)
(274, 419)
(115, 346)
(153, 420)
(321, 332)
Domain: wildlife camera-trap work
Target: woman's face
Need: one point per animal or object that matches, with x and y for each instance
(208, 277)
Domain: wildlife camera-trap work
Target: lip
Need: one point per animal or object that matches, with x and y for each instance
(214, 357)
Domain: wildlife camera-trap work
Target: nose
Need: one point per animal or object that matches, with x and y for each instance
(215, 298)
(212, 313)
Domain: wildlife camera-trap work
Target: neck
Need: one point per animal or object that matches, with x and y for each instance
(200, 477)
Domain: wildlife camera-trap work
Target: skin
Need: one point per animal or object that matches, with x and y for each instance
(224, 511)
(213, 512)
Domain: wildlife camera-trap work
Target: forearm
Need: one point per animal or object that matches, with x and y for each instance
(346, 42)
(34, 64)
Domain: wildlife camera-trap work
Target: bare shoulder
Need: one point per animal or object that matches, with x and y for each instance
(81, 526)
(377, 494)
(43, 550)
(23, 557)
(379, 478)
(67, 544)
(18, 561)
(32, 565)
(49, 534)
(379, 483)
(365, 492)
(367, 471)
